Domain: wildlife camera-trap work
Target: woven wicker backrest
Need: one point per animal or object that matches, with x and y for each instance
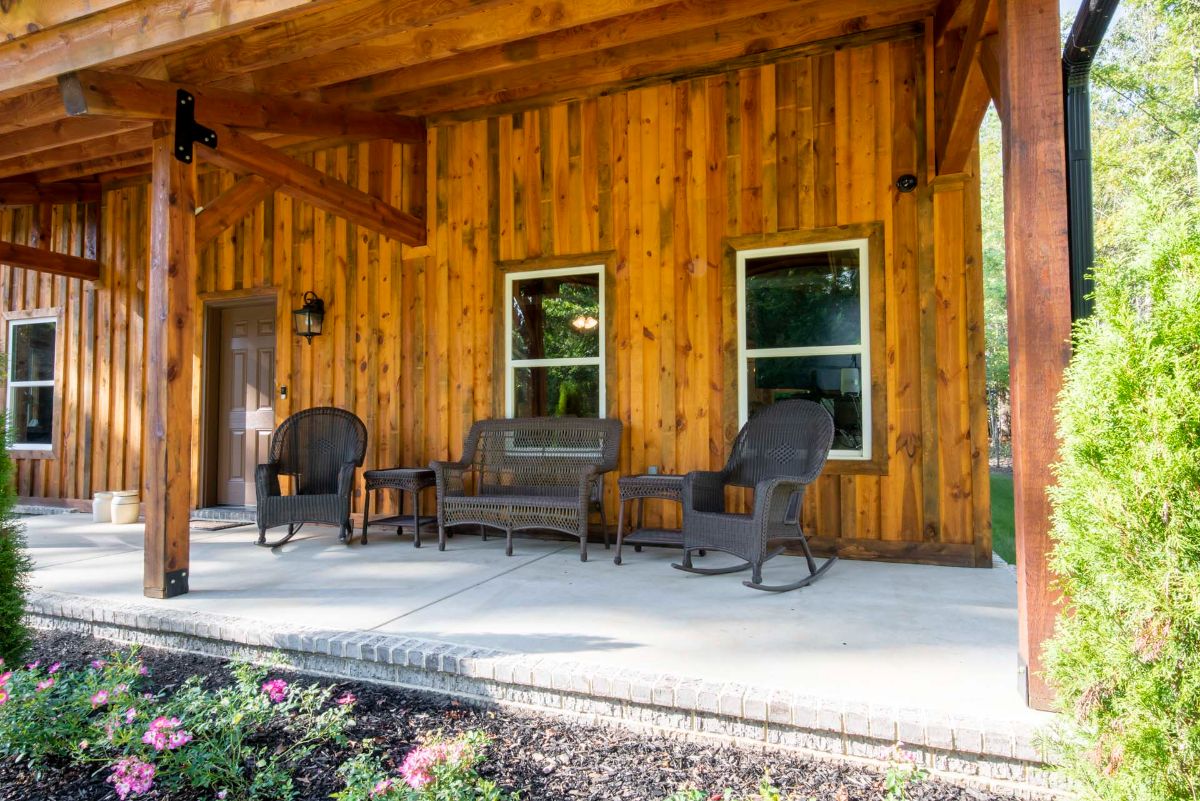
(788, 438)
(313, 444)
(539, 456)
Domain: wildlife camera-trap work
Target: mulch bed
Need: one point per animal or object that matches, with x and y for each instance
(544, 757)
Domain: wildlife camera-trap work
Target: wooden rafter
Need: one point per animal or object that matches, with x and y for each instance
(105, 94)
(949, 14)
(127, 31)
(61, 132)
(407, 67)
(232, 205)
(21, 193)
(239, 153)
(47, 261)
(75, 153)
(989, 64)
(967, 100)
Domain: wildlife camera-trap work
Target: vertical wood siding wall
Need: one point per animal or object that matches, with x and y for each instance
(660, 176)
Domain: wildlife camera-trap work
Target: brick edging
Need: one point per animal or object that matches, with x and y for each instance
(968, 751)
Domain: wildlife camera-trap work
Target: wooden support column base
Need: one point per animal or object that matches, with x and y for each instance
(175, 583)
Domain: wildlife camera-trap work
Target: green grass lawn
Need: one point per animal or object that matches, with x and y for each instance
(1002, 517)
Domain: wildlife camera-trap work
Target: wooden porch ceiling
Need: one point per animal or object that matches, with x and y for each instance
(438, 59)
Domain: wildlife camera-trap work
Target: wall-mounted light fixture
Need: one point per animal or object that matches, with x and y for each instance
(906, 183)
(308, 319)
(585, 322)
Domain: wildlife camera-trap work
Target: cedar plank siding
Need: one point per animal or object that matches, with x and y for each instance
(661, 176)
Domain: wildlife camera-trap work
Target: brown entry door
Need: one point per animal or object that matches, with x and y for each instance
(247, 407)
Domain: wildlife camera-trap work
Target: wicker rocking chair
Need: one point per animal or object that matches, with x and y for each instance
(779, 452)
(320, 448)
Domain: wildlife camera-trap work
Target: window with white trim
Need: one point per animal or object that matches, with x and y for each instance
(804, 332)
(31, 373)
(554, 343)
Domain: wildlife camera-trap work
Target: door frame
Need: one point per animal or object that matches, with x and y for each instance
(211, 306)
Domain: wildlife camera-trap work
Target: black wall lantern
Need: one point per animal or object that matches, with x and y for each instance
(906, 183)
(307, 320)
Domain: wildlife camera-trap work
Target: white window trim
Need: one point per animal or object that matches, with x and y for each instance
(863, 349)
(14, 385)
(510, 364)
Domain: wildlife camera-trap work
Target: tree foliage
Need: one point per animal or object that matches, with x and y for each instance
(1127, 536)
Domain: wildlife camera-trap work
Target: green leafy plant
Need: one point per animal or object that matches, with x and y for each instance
(902, 771)
(14, 564)
(437, 770)
(767, 791)
(240, 742)
(48, 711)
(1127, 537)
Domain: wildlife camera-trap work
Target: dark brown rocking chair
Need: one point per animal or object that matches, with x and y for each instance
(778, 453)
(320, 448)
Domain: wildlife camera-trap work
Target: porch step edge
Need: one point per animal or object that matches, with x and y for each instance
(979, 753)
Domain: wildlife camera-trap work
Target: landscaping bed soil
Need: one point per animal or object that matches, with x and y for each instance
(546, 758)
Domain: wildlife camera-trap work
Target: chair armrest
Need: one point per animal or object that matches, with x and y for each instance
(266, 480)
(450, 477)
(346, 479)
(703, 491)
(588, 478)
(773, 499)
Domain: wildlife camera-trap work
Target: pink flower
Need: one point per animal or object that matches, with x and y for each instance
(381, 787)
(45, 685)
(142, 671)
(131, 777)
(4, 677)
(3, 696)
(54, 668)
(276, 690)
(415, 768)
(221, 795)
(100, 698)
(130, 714)
(343, 700)
(83, 745)
(120, 688)
(164, 734)
(33, 665)
(98, 664)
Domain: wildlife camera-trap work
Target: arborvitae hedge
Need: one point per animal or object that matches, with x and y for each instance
(14, 564)
(1125, 660)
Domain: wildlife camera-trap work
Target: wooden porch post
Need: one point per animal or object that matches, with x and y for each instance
(169, 342)
(1039, 302)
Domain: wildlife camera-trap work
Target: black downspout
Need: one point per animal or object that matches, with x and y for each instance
(1087, 33)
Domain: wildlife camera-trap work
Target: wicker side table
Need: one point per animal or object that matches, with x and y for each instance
(408, 480)
(639, 488)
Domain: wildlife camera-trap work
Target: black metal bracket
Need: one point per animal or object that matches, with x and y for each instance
(176, 584)
(187, 130)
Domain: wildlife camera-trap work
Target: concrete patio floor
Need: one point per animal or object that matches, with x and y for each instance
(940, 640)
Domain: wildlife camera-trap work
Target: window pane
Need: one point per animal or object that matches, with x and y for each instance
(835, 382)
(32, 415)
(803, 300)
(556, 318)
(557, 391)
(32, 348)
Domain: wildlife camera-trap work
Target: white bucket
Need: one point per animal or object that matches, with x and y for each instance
(125, 507)
(102, 507)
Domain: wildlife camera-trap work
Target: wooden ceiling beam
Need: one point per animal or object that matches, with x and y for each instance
(967, 101)
(25, 18)
(132, 32)
(239, 153)
(416, 71)
(38, 107)
(232, 205)
(340, 27)
(708, 50)
(949, 14)
(23, 193)
(47, 261)
(107, 94)
(65, 131)
(510, 25)
(76, 153)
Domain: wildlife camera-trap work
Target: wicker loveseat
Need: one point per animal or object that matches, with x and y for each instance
(529, 473)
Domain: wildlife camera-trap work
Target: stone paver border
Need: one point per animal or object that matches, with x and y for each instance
(968, 751)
